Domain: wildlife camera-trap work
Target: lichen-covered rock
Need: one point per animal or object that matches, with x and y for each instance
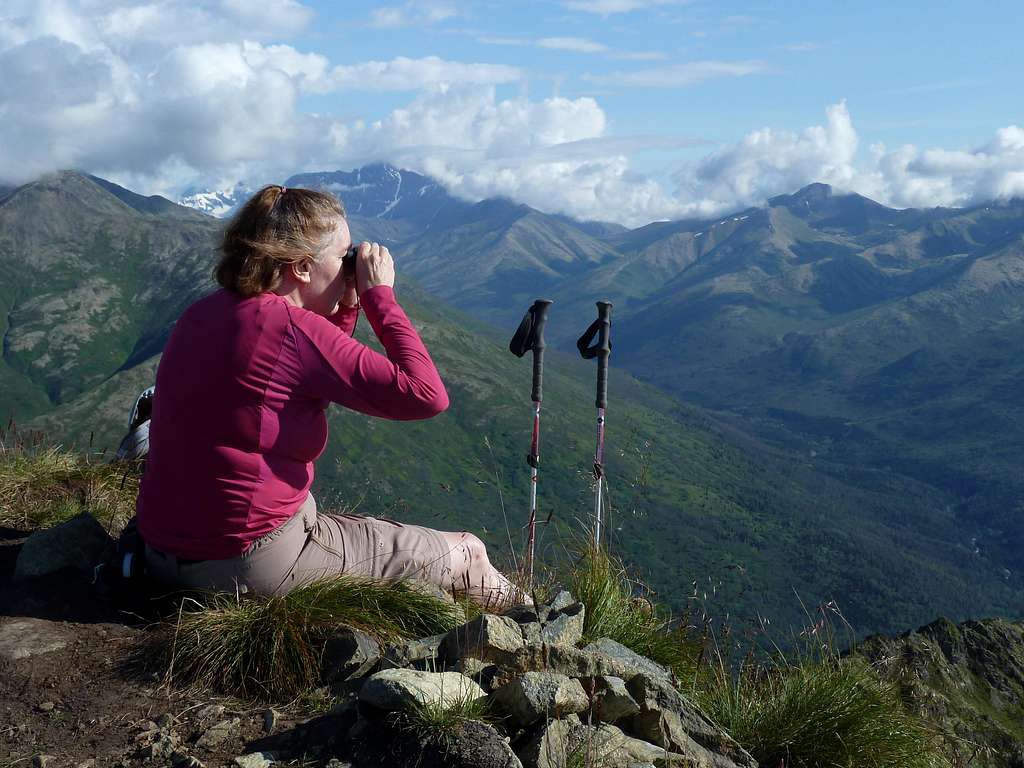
(564, 627)
(612, 700)
(533, 696)
(21, 638)
(218, 733)
(487, 637)
(549, 747)
(254, 760)
(78, 544)
(423, 652)
(566, 660)
(668, 720)
(629, 659)
(398, 689)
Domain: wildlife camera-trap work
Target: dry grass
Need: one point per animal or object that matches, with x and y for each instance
(42, 485)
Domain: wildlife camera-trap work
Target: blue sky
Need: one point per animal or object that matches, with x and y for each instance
(625, 109)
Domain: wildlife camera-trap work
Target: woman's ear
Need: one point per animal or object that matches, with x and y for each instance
(300, 270)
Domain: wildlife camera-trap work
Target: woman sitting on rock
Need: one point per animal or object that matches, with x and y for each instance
(239, 414)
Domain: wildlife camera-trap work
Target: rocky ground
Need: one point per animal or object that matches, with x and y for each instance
(76, 691)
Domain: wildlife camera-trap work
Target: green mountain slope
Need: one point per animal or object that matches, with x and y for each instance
(694, 500)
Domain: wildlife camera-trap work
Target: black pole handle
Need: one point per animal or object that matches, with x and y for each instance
(530, 336)
(601, 349)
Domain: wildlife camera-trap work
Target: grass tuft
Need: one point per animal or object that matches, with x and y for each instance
(813, 713)
(43, 486)
(600, 582)
(439, 721)
(270, 648)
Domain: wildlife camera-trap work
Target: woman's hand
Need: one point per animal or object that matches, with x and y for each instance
(374, 267)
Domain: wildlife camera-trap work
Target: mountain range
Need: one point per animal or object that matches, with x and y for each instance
(858, 337)
(722, 500)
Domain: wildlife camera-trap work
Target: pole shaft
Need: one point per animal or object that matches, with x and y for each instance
(598, 475)
(532, 524)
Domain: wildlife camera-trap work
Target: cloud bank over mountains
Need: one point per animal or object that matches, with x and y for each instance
(178, 93)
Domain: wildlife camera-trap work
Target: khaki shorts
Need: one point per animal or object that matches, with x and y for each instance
(310, 545)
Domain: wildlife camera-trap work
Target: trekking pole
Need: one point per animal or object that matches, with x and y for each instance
(601, 349)
(530, 335)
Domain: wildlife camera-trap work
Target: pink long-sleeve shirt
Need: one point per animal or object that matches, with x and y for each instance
(239, 413)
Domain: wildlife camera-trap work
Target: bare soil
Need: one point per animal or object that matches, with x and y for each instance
(91, 703)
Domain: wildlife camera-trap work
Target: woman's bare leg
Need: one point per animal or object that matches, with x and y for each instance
(473, 574)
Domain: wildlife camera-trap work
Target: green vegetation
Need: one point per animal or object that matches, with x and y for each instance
(42, 485)
(613, 610)
(817, 713)
(269, 648)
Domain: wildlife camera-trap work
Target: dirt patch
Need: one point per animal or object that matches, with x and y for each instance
(71, 686)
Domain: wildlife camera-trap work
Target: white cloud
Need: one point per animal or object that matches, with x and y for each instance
(678, 75)
(577, 44)
(402, 74)
(767, 162)
(609, 7)
(201, 107)
(412, 13)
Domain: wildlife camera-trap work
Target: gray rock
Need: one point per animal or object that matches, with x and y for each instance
(612, 700)
(480, 672)
(46, 706)
(397, 689)
(596, 745)
(349, 653)
(665, 729)
(564, 627)
(487, 637)
(22, 638)
(652, 695)
(219, 733)
(644, 752)
(479, 745)
(255, 760)
(561, 601)
(536, 695)
(79, 543)
(629, 659)
(569, 661)
(424, 651)
(160, 746)
(549, 748)
(210, 712)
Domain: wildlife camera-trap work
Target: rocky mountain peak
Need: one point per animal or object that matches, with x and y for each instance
(810, 197)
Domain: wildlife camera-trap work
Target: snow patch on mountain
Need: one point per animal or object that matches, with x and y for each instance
(217, 202)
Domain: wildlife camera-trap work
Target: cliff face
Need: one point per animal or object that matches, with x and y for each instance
(968, 679)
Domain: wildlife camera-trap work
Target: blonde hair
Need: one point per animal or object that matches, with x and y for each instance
(278, 226)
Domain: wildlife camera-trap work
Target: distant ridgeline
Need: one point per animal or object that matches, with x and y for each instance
(967, 680)
(851, 413)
